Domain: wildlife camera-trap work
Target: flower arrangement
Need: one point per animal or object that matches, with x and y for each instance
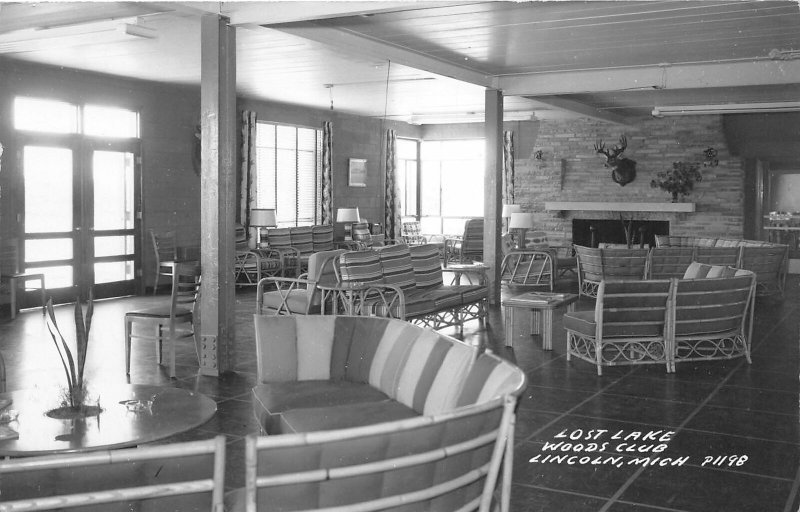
(680, 180)
(75, 396)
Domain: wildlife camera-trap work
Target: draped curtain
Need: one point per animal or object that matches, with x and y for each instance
(392, 220)
(508, 167)
(248, 185)
(327, 158)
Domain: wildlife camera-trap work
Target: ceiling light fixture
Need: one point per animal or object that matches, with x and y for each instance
(726, 108)
(468, 117)
(109, 31)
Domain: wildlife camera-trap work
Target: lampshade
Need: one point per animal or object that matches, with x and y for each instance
(262, 217)
(347, 215)
(508, 209)
(521, 220)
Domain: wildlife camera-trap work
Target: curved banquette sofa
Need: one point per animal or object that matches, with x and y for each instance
(360, 409)
(767, 260)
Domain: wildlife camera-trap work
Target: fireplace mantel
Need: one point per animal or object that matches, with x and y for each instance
(612, 206)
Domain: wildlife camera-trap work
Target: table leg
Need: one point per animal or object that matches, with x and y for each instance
(547, 329)
(509, 328)
(536, 320)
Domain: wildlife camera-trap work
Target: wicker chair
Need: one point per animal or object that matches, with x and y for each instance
(526, 267)
(177, 477)
(300, 295)
(467, 248)
(596, 265)
(628, 325)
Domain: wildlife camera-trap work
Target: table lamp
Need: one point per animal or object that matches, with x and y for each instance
(262, 218)
(521, 221)
(348, 216)
(508, 209)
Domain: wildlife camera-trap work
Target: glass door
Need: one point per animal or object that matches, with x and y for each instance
(80, 226)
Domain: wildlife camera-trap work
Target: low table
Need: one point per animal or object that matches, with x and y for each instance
(173, 411)
(537, 308)
(467, 269)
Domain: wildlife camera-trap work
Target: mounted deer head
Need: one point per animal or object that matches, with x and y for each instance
(623, 170)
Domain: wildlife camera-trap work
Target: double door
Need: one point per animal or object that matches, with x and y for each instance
(80, 226)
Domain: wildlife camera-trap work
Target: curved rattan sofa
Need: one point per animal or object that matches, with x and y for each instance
(370, 391)
(767, 260)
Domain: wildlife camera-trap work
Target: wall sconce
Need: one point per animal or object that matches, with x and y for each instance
(711, 157)
(538, 154)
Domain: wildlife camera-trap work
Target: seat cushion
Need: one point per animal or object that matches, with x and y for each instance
(296, 300)
(583, 323)
(275, 398)
(427, 265)
(343, 416)
(396, 266)
(361, 266)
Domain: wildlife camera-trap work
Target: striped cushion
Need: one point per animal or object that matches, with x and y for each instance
(302, 239)
(361, 266)
(488, 378)
(396, 266)
(360, 233)
(322, 238)
(427, 266)
(279, 237)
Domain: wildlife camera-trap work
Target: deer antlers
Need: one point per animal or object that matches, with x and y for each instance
(613, 153)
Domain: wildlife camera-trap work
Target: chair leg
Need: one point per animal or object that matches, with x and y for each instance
(172, 351)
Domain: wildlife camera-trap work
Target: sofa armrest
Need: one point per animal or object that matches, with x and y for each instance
(284, 286)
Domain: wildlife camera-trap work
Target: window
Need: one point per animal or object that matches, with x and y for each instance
(451, 182)
(289, 173)
(407, 172)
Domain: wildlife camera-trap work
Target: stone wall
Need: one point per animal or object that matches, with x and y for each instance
(570, 170)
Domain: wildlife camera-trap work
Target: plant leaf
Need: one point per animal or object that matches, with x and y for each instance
(52, 324)
(80, 338)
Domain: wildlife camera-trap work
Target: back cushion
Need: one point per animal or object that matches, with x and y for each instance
(361, 266)
(279, 237)
(702, 271)
(490, 377)
(427, 265)
(396, 266)
(302, 239)
(322, 238)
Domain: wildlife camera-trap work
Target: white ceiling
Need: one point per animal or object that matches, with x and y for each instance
(612, 60)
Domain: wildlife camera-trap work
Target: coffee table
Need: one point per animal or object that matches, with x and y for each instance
(172, 411)
(536, 310)
(478, 270)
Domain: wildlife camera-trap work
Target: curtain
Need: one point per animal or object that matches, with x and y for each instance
(248, 185)
(392, 220)
(508, 167)
(327, 158)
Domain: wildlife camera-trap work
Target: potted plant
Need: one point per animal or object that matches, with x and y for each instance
(680, 180)
(75, 402)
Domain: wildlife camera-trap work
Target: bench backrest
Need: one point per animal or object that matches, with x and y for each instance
(632, 307)
(177, 476)
(409, 267)
(713, 305)
(666, 262)
(609, 264)
(420, 368)
(322, 238)
(448, 462)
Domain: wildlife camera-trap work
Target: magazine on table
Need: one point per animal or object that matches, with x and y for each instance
(538, 298)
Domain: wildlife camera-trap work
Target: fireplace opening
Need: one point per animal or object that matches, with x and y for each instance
(592, 232)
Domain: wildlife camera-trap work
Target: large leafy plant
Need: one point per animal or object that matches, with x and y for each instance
(680, 180)
(73, 362)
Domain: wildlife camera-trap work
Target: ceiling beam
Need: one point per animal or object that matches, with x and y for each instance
(259, 13)
(26, 16)
(689, 76)
(357, 45)
(582, 109)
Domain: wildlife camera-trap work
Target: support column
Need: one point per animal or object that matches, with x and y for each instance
(218, 193)
(493, 191)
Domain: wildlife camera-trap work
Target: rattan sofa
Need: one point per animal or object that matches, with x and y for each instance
(297, 244)
(406, 282)
(350, 391)
(705, 316)
(769, 261)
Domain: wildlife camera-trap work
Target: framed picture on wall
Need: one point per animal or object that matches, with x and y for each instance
(357, 172)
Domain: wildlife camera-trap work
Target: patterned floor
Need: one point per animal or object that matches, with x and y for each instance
(735, 441)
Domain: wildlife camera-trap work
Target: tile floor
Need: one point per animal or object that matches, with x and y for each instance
(715, 409)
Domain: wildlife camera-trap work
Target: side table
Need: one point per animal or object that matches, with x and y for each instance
(349, 295)
(470, 270)
(537, 308)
